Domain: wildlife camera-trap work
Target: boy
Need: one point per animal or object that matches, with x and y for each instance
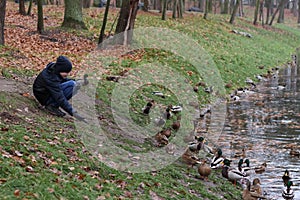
(53, 89)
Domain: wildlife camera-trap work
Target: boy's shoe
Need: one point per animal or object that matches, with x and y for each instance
(55, 111)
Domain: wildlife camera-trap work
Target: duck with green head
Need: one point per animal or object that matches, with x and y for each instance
(288, 193)
(232, 174)
(217, 160)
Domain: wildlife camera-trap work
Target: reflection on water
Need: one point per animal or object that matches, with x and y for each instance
(264, 123)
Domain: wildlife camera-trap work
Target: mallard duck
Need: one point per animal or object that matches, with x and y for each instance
(217, 160)
(225, 167)
(160, 94)
(288, 193)
(241, 154)
(260, 169)
(233, 174)
(251, 195)
(247, 169)
(294, 152)
(167, 132)
(256, 187)
(167, 114)
(204, 170)
(161, 139)
(176, 109)
(286, 177)
(190, 159)
(176, 124)
(146, 109)
(260, 103)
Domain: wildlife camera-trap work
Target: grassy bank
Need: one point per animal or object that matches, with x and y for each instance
(42, 157)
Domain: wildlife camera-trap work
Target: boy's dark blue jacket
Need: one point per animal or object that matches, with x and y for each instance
(47, 84)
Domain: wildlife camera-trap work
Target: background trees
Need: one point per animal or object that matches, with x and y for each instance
(2, 19)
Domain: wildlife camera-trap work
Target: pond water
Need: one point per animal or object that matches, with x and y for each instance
(266, 129)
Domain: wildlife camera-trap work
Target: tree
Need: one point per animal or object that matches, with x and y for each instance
(261, 12)
(29, 7)
(256, 12)
(164, 10)
(281, 14)
(206, 9)
(235, 9)
(86, 3)
(22, 7)
(226, 5)
(126, 20)
(40, 25)
(268, 5)
(102, 34)
(73, 15)
(298, 11)
(174, 9)
(2, 19)
(146, 5)
(282, 3)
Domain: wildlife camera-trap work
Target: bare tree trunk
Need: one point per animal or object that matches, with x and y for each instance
(281, 14)
(40, 25)
(226, 5)
(282, 3)
(202, 5)
(73, 15)
(164, 10)
(180, 9)
(268, 2)
(22, 7)
(298, 11)
(86, 3)
(102, 32)
(231, 7)
(221, 3)
(174, 9)
(146, 5)
(261, 12)
(126, 20)
(256, 12)
(235, 9)
(29, 7)
(210, 5)
(206, 9)
(2, 20)
(241, 9)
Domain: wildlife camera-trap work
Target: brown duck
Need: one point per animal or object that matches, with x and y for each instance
(204, 170)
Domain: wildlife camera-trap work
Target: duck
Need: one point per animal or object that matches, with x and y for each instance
(225, 168)
(286, 177)
(176, 124)
(160, 94)
(167, 132)
(190, 159)
(288, 193)
(167, 114)
(240, 154)
(217, 160)
(280, 87)
(247, 169)
(176, 109)
(256, 187)
(161, 139)
(232, 174)
(251, 195)
(260, 103)
(204, 170)
(294, 152)
(208, 90)
(260, 169)
(146, 109)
